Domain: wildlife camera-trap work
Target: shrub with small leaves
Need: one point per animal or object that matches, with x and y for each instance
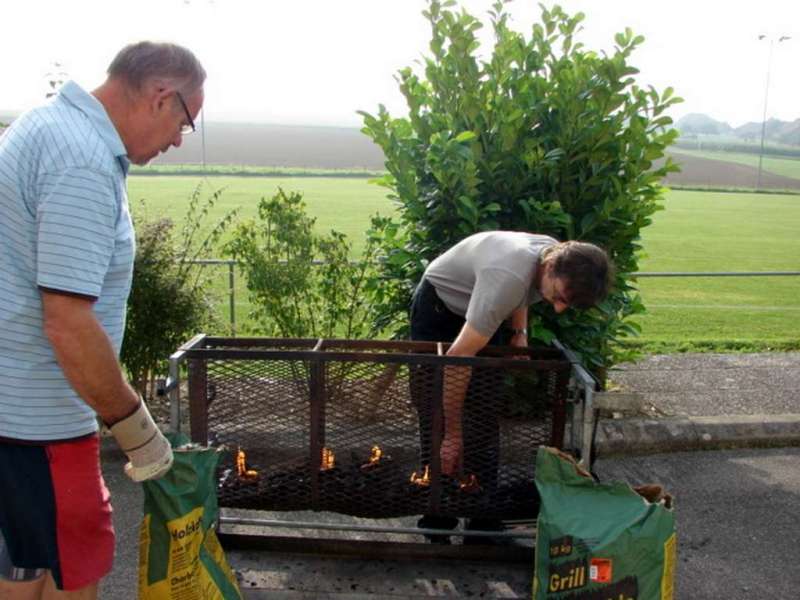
(302, 283)
(170, 298)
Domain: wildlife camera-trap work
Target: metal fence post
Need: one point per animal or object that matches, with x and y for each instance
(232, 295)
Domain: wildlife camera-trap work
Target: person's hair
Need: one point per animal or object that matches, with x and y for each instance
(139, 63)
(585, 269)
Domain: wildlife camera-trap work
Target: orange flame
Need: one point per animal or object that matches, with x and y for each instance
(469, 484)
(241, 466)
(328, 459)
(376, 455)
(374, 459)
(423, 481)
(240, 463)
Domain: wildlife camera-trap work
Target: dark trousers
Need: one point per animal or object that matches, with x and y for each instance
(431, 320)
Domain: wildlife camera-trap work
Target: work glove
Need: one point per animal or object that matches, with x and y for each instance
(148, 451)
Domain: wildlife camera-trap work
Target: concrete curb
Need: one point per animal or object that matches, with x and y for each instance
(674, 434)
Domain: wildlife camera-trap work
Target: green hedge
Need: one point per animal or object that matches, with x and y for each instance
(543, 135)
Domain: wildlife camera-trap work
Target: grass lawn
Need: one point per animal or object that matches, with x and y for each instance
(779, 165)
(344, 204)
(706, 231)
(698, 231)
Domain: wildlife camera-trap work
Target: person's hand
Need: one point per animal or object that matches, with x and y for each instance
(451, 454)
(148, 451)
(520, 340)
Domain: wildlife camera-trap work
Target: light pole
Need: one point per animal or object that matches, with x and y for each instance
(782, 38)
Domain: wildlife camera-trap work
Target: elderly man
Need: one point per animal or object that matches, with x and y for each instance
(66, 250)
(477, 293)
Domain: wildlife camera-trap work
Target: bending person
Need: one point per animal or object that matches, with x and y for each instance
(475, 294)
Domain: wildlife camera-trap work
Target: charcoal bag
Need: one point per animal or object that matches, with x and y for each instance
(180, 557)
(600, 540)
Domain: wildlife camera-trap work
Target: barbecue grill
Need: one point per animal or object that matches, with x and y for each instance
(354, 428)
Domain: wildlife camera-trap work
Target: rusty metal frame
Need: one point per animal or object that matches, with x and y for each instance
(575, 386)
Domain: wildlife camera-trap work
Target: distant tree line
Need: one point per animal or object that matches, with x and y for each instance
(717, 145)
(695, 126)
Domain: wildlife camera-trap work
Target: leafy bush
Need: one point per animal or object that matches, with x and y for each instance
(543, 136)
(170, 299)
(301, 283)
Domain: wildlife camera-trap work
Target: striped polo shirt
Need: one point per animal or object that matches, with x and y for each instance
(64, 225)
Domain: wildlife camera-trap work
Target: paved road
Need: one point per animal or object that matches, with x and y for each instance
(738, 515)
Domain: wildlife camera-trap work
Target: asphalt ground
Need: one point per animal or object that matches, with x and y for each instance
(736, 514)
(736, 510)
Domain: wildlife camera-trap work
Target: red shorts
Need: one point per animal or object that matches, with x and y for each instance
(55, 510)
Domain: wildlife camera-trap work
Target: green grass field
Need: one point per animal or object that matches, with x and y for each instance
(344, 204)
(705, 231)
(787, 167)
(698, 231)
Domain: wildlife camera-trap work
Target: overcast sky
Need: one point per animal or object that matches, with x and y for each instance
(318, 61)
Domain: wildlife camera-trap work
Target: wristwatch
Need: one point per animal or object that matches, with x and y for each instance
(515, 331)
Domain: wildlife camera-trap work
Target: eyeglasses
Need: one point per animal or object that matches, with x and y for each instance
(186, 128)
(560, 293)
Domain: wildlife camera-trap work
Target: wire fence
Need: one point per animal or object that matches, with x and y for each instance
(231, 284)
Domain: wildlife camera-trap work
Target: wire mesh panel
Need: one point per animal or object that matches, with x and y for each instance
(372, 433)
(260, 411)
(376, 429)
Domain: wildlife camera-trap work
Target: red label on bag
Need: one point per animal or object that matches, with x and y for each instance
(600, 570)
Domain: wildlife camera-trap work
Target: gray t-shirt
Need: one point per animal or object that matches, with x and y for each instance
(488, 275)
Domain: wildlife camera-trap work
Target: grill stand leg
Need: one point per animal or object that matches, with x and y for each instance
(198, 401)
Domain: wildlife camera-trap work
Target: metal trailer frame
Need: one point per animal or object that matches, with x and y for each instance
(579, 439)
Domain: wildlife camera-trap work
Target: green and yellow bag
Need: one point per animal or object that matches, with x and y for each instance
(600, 541)
(180, 557)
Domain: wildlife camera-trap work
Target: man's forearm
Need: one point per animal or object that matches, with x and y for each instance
(456, 381)
(86, 356)
(519, 325)
(519, 318)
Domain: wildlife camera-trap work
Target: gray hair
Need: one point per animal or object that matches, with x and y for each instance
(139, 63)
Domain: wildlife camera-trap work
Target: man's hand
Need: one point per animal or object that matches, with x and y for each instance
(141, 440)
(452, 454)
(456, 382)
(519, 340)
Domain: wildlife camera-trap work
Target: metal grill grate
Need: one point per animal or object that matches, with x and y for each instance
(374, 409)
